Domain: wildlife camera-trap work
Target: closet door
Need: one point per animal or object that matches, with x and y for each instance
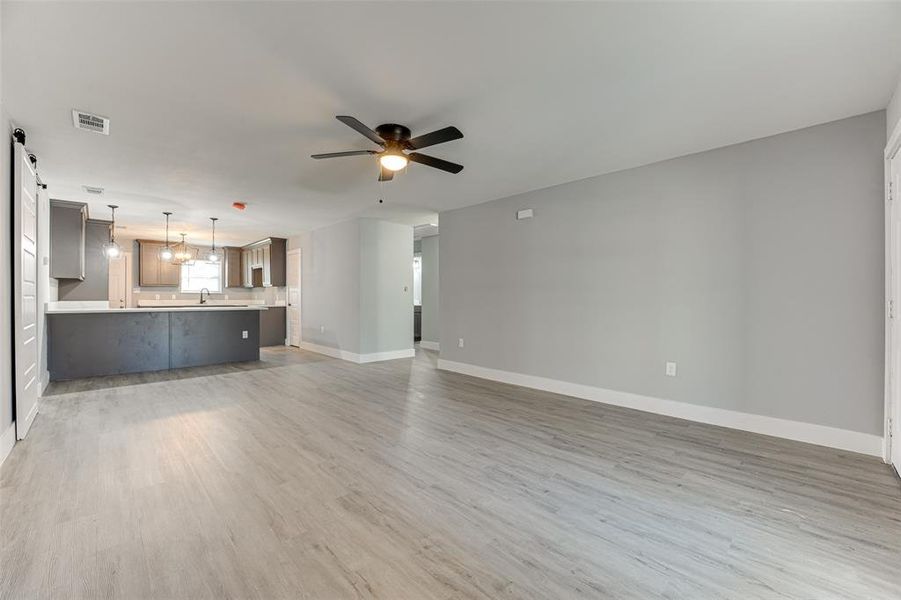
(25, 299)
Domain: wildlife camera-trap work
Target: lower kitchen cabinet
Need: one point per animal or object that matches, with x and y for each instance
(273, 326)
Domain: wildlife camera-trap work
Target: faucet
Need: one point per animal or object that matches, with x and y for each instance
(202, 290)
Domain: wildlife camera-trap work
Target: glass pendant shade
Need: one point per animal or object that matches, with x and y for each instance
(213, 255)
(111, 249)
(182, 253)
(166, 252)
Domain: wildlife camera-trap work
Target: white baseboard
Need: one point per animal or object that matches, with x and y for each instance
(822, 435)
(426, 345)
(357, 358)
(7, 441)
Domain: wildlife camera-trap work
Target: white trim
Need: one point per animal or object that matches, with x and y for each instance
(822, 435)
(426, 345)
(354, 357)
(891, 149)
(7, 441)
(392, 355)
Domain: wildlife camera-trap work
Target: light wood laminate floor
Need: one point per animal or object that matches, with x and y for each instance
(303, 476)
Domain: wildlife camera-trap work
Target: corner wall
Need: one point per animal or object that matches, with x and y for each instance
(430, 299)
(757, 268)
(357, 290)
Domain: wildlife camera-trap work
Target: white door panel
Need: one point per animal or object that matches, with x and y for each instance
(25, 299)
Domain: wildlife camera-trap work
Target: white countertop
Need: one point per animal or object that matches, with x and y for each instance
(57, 308)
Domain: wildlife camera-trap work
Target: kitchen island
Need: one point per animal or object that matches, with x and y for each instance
(89, 340)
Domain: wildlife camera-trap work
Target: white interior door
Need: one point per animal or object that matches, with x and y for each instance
(25, 300)
(118, 281)
(293, 297)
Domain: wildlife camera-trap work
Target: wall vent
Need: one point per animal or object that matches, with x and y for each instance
(89, 122)
(92, 189)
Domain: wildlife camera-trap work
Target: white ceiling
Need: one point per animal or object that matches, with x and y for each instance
(216, 102)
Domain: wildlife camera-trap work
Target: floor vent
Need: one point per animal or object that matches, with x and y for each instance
(89, 122)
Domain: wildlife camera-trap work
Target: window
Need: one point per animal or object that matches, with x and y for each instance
(201, 275)
(417, 280)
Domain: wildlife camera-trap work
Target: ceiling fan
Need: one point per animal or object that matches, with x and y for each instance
(395, 141)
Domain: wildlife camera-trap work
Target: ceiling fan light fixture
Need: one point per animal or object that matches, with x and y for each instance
(393, 161)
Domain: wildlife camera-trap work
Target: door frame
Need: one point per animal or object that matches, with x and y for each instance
(299, 303)
(892, 426)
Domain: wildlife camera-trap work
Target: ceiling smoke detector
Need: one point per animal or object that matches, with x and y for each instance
(92, 189)
(89, 122)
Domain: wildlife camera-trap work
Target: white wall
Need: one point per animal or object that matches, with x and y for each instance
(430, 299)
(758, 268)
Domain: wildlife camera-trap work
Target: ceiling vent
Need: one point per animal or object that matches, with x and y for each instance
(89, 122)
(92, 189)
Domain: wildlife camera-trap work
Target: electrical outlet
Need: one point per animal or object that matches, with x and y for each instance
(156, 297)
(670, 369)
(244, 335)
(173, 296)
(460, 343)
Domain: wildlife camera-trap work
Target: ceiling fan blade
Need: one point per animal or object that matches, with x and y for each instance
(431, 161)
(436, 137)
(385, 174)
(348, 153)
(360, 128)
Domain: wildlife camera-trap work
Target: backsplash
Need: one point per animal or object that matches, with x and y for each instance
(272, 295)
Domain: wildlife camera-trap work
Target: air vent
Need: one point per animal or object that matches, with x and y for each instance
(92, 189)
(89, 122)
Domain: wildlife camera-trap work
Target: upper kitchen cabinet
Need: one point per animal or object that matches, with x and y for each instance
(153, 271)
(234, 275)
(264, 263)
(67, 239)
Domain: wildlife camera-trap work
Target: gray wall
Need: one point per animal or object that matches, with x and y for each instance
(6, 396)
(330, 290)
(354, 274)
(95, 285)
(430, 300)
(386, 286)
(757, 267)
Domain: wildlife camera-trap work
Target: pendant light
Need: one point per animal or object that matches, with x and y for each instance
(213, 255)
(111, 249)
(182, 253)
(166, 252)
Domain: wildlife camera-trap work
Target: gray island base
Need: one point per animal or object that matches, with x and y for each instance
(93, 343)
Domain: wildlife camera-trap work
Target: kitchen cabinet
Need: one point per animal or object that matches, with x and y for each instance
(67, 238)
(234, 274)
(273, 326)
(154, 272)
(264, 263)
